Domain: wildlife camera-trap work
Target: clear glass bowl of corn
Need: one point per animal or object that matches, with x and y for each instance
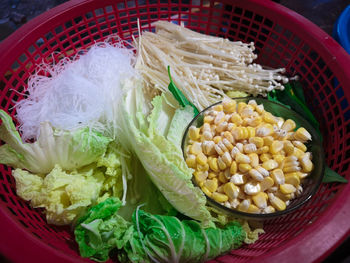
(253, 158)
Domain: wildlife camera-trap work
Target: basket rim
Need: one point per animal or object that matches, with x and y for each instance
(308, 245)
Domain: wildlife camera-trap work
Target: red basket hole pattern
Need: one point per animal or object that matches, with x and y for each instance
(277, 46)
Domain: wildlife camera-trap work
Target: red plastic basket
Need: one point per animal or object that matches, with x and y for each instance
(282, 38)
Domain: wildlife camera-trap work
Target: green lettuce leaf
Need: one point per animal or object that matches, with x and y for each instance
(70, 150)
(151, 238)
(167, 239)
(161, 158)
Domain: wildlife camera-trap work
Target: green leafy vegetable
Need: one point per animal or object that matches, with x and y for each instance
(333, 177)
(151, 237)
(161, 158)
(70, 150)
(65, 195)
(179, 96)
(101, 229)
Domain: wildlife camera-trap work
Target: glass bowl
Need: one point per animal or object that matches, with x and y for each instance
(310, 184)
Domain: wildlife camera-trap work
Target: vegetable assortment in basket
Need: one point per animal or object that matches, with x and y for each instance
(107, 157)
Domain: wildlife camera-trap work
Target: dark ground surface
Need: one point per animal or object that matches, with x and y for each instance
(14, 13)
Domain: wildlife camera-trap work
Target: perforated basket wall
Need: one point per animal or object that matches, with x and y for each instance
(282, 39)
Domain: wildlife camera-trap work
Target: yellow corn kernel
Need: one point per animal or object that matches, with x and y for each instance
(247, 111)
(306, 163)
(238, 179)
(206, 191)
(244, 167)
(244, 205)
(221, 164)
(251, 132)
(292, 178)
(220, 150)
(288, 125)
(241, 106)
(191, 161)
(278, 176)
(259, 108)
(220, 198)
(264, 130)
(269, 118)
(221, 127)
(258, 141)
(268, 140)
(193, 133)
(218, 107)
(227, 144)
(256, 175)
(207, 136)
(219, 118)
(231, 126)
(278, 158)
(277, 203)
(201, 159)
(242, 158)
(211, 184)
(256, 121)
(276, 147)
(196, 148)
(245, 133)
(231, 190)
(249, 148)
(208, 119)
(300, 145)
(254, 159)
(260, 200)
(229, 105)
(200, 176)
(213, 164)
(253, 209)
(279, 134)
(252, 188)
(237, 133)
(264, 149)
(220, 189)
(236, 119)
(208, 147)
(290, 169)
(269, 209)
(212, 175)
(203, 168)
(226, 157)
(265, 157)
(228, 136)
(233, 168)
(287, 189)
(298, 153)
(302, 135)
(217, 139)
(266, 183)
(270, 164)
(252, 103)
(222, 178)
(206, 127)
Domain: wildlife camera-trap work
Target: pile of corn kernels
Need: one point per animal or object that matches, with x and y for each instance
(247, 159)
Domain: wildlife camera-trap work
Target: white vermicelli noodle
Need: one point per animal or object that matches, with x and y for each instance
(79, 92)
